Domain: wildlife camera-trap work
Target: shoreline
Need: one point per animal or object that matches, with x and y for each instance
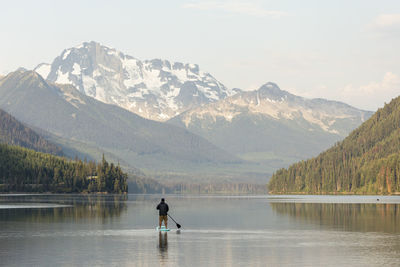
(332, 193)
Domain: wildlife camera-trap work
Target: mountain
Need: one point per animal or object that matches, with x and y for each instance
(264, 129)
(63, 111)
(365, 162)
(154, 89)
(272, 126)
(13, 132)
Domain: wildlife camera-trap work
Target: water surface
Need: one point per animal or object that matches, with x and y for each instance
(67, 230)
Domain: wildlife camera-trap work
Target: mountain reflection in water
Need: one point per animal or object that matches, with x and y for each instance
(362, 217)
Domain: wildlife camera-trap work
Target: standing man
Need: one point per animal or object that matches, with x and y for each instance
(163, 211)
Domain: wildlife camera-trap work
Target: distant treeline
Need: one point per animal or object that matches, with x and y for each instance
(150, 186)
(366, 162)
(25, 170)
(220, 188)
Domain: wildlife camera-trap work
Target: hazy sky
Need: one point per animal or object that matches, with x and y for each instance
(341, 50)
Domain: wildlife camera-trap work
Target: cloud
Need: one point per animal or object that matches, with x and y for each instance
(370, 96)
(386, 24)
(373, 95)
(387, 20)
(235, 7)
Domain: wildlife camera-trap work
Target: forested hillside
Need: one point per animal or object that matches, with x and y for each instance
(366, 162)
(13, 132)
(25, 170)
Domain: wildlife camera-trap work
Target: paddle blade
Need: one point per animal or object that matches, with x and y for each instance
(178, 225)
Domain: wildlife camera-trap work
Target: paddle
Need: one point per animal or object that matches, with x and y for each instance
(177, 224)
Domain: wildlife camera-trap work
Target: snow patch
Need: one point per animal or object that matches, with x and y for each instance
(112, 52)
(76, 69)
(66, 53)
(181, 74)
(164, 116)
(62, 78)
(96, 73)
(134, 74)
(152, 80)
(89, 85)
(106, 68)
(101, 94)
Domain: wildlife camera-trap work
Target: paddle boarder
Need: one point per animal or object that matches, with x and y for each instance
(163, 213)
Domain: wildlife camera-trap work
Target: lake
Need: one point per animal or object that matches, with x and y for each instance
(111, 230)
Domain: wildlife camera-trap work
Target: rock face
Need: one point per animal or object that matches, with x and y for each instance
(270, 120)
(154, 89)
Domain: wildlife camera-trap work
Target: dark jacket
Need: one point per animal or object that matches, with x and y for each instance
(163, 208)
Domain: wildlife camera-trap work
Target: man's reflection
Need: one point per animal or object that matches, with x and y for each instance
(163, 245)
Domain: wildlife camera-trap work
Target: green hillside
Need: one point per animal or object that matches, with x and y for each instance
(26, 170)
(366, 162)
(13, 132)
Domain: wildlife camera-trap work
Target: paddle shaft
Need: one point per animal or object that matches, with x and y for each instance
(177, 224)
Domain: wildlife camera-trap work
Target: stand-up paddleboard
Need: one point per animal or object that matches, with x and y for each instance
(162, 229)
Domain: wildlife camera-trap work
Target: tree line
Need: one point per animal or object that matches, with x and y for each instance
(26, 170)
(366, 162)
(151, 186)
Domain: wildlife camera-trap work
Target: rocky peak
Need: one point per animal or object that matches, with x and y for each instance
(272, 91)
(155, 89)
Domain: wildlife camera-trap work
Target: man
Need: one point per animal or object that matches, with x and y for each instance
(163, 211)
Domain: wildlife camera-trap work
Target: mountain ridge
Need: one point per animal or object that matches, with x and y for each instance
(271, 94)
(269, 125)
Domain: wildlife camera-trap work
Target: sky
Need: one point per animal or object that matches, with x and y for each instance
(338, 50)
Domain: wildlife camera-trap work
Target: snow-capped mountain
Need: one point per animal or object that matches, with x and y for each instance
(270, 101)
(269, 121)
(155, 89)
(267, 124)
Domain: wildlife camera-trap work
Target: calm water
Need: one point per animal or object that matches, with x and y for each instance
(65, 230)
